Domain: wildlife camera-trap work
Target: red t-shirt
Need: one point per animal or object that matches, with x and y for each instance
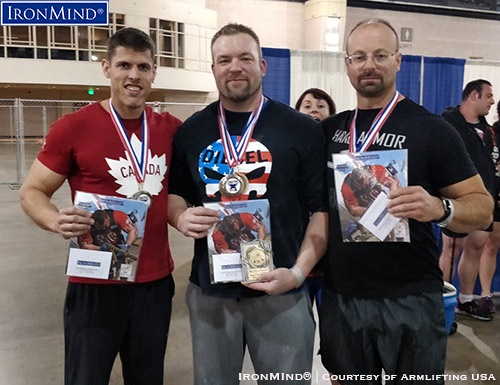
(85, 147)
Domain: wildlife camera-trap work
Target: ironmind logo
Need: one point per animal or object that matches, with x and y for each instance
(41, 12)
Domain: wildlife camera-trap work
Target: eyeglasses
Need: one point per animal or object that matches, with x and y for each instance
(379, 57)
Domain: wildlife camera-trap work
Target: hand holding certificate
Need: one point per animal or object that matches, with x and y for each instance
(239, 245)
(111, 249)
(362, 181)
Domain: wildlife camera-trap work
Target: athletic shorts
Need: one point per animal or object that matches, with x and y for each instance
(104, 320)
(403, 336)
(452, 234)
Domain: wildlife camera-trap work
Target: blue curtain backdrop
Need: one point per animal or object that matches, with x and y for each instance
(408, 77)
(276, 83)
(443, 82)
(441, 86)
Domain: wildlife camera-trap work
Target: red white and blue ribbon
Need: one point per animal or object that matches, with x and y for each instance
(234, 154)
(376, 125)
(139, 161)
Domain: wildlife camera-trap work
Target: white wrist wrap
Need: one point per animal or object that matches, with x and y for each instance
(299, 276)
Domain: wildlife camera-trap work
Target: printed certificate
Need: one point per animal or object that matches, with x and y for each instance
(111, 249)
(241, 223)
(362, 182)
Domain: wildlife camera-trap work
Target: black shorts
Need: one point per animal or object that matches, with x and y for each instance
(101, 321)
(496, 212)
(452, 234)
(404, 336)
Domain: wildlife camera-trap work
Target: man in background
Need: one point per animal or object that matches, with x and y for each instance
(469, 120)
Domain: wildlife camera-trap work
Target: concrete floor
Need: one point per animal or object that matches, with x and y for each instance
(32, 289)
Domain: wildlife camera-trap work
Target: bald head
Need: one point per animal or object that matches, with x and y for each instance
(378, 23)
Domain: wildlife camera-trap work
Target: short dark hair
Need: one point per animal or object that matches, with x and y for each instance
(131, 38)
(234, 29)
(99, 216)
(226, 225)
(317, 94)
(374, 21)
(474, 85)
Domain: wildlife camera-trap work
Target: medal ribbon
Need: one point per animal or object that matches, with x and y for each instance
(375, 127)
(233, 154)
(139, 164)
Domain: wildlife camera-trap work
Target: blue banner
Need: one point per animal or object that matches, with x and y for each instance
(75, 12)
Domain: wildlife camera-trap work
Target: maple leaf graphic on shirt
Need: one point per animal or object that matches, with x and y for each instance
(122, 170)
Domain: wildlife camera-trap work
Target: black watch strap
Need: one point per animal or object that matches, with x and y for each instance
(448, 213)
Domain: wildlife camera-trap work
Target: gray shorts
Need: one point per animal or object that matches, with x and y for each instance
(278, 331)
(405, 337)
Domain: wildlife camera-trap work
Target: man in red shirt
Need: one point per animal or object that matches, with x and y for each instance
(96, 149)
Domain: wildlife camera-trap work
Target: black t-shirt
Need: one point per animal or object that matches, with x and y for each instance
(285, 163)
(436, 158)
(479, 139)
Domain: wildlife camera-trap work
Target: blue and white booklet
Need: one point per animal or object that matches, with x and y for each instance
(111, 249)
(362, 182)
(239, 245)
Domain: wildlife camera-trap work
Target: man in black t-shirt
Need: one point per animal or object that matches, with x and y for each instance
(283, 163)
(469, 120)
(382, 308)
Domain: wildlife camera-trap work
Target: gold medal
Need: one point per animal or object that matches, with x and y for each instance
(233, 185)
(143, 196)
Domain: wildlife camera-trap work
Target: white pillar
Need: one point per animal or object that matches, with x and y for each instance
(324, 25)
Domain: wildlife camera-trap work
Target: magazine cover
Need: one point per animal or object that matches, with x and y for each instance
(241, 223)
(111, 249)
(362, 181)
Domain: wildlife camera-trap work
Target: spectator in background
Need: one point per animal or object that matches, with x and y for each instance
(488, 262)
(316, 103)
(469, 120)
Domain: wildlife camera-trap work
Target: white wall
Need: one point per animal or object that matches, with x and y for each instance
(441, 36)
(279, 24)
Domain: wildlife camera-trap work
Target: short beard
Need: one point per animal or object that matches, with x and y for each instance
(241, 96)
(371, 92)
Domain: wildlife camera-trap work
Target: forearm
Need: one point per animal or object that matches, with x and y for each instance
(176, 206)
(261, 231)
(132, 235)
(472, 212)
(40, 209)
(314, 244)
(356, 211)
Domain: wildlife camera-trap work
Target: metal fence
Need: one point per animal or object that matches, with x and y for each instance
(24, 123)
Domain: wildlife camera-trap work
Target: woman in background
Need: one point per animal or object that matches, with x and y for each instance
(316, 103)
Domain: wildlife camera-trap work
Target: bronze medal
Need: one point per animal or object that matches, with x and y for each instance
(233, 185)
(143, 196)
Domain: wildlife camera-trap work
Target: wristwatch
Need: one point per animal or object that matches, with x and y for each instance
(449, 211)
